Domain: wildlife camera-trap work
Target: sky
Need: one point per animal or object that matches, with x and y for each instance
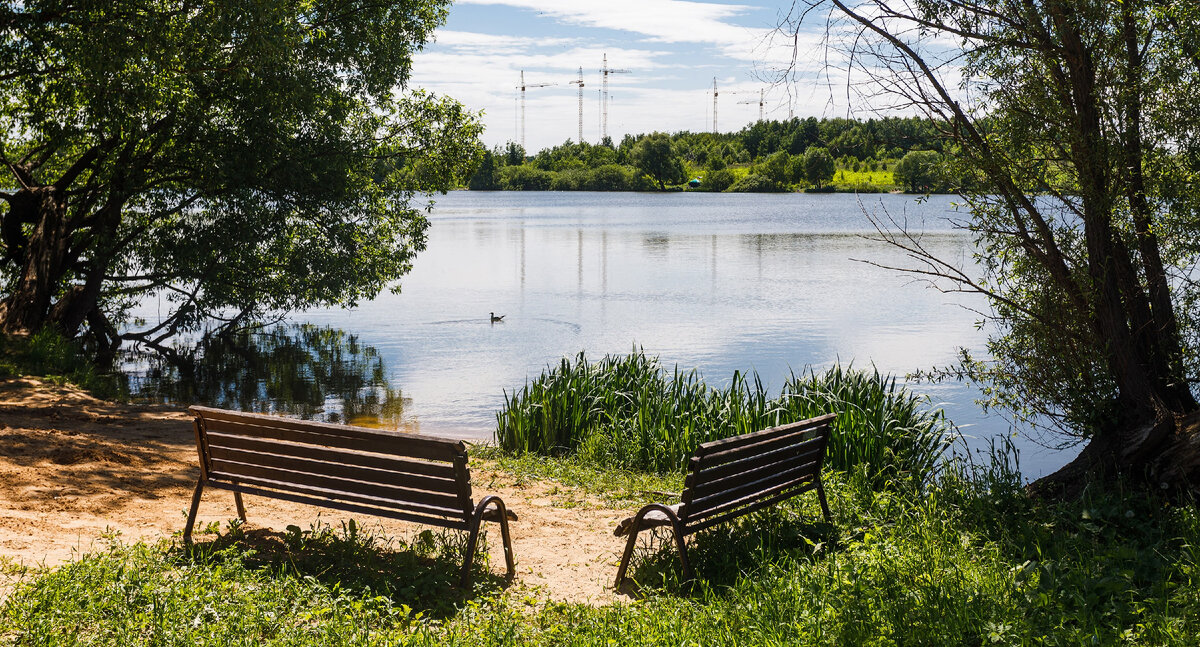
(672, 50)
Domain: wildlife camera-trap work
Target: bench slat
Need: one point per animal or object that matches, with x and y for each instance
(338, 487)
(709, 484)
(756, 489)
(714, 446)
(761, 446)
(364, 441)
(703, 471)
(337, 470)
(711, 521)
(390, 513)
(345, 431)
(328, 494)
(439, 469)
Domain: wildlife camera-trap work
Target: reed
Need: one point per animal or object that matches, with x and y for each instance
(629, 412)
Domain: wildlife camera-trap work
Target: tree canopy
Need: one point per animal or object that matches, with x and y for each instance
(1077, 119)
(234, 159)
(919, 171)
(818, 165)
(654, 156)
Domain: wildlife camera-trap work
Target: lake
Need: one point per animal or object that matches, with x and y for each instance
(718, 282)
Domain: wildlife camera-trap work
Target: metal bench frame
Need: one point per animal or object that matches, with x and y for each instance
(387, 474)
(735, 476)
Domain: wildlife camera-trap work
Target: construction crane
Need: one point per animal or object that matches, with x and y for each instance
(714, 95)
(579, 82)
(714, 105)
(760, 104)
(605, 71)
(522, 89)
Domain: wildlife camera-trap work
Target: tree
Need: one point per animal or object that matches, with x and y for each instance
(919, 171)
(514, 154)
(1078, 118)
(775, 167)
(235, 158)
(654, 156)
(818, 166)
(484, 178)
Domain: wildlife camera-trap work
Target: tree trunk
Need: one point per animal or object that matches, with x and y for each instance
(1163, 454)
(41, 262)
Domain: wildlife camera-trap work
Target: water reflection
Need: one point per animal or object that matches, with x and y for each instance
(305, 371)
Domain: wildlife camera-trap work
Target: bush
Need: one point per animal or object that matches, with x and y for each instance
(525, 178)
(609, 177)
(754, 183)
(629, 412)
(570, 180)
(719, 180)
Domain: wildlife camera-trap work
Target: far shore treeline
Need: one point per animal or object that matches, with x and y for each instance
(876, 155)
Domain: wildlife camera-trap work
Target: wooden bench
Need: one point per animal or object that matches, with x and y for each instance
(387, 474)
(735, 476)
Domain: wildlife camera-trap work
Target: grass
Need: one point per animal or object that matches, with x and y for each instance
(864, 181)
(629, 412)
(970, 560)
(48, 355)
(315, 587)
(581, 480)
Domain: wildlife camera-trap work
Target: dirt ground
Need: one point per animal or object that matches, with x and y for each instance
(73, 468)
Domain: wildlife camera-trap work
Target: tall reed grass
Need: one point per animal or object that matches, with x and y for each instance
(628, 411)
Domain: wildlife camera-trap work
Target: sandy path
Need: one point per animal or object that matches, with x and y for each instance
(73, 467)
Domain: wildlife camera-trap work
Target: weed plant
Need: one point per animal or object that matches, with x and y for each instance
(627, 411)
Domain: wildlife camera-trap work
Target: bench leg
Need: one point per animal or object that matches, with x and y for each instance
(509, 563)
(676, 528)
(681, 542)
(824, 503)
(629, 545)
(241, 508)
(464, 579)
(191, 518)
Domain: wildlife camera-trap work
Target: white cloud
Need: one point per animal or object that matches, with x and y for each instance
(671, 21)
(673, 47)
(494, 44)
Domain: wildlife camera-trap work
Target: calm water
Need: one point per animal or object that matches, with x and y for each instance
(719, 282)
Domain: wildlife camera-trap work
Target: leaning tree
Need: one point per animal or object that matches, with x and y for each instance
(228, 159)
(1076, 129)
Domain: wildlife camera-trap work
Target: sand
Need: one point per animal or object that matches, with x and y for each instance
(74, 468)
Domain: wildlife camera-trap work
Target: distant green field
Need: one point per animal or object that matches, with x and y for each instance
(846, 179)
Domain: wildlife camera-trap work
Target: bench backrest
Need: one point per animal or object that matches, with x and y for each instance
(733, 476)
(390, 474)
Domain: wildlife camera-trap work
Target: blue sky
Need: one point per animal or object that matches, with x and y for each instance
(673, 48)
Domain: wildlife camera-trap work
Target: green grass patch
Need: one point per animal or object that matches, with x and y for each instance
(866, 181)
(970, 560)
(612, 486)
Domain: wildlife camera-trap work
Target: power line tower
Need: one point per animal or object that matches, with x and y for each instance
(579, 82)
(605, 71)
(522, 89)
(760, 104)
